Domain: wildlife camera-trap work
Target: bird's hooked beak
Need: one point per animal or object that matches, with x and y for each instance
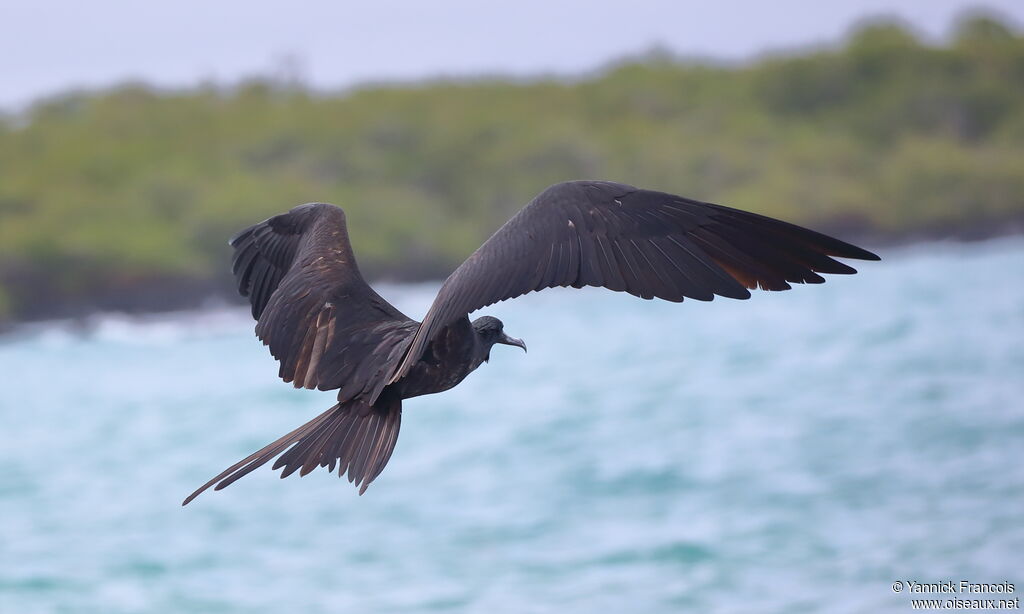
(506, 340)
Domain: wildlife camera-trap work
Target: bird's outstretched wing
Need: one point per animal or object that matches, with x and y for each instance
(650, 244)
(321, 320)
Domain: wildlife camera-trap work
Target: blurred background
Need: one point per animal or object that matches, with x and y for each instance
(797, 452)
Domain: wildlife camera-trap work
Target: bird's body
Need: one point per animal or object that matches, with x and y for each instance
(456, 353)
(330, 330)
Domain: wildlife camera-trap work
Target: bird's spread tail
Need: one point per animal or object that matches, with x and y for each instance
(356, 437)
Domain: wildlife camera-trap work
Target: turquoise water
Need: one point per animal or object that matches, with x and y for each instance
(797, 452)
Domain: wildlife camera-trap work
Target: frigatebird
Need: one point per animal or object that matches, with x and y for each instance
(330, 330)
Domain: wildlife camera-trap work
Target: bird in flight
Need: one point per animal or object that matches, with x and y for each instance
(331, 331)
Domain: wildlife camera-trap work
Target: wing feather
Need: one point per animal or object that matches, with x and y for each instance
(314, 310)
(650, 244)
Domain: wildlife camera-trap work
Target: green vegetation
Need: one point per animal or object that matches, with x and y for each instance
(134, 188)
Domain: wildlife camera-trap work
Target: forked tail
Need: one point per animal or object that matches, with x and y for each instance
(356, 437)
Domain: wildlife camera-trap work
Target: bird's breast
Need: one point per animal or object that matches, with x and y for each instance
(447, 361)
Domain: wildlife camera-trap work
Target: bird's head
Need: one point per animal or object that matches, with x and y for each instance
(491, 330)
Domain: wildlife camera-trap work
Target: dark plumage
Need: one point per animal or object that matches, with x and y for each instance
(330, 330)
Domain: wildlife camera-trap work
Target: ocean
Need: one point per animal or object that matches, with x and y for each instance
(797, 452)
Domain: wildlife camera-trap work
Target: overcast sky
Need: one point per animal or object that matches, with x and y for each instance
(48, 46)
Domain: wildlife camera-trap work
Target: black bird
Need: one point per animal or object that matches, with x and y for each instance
(330, 330)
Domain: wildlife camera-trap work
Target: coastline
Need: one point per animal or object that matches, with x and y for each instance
(161, 296)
